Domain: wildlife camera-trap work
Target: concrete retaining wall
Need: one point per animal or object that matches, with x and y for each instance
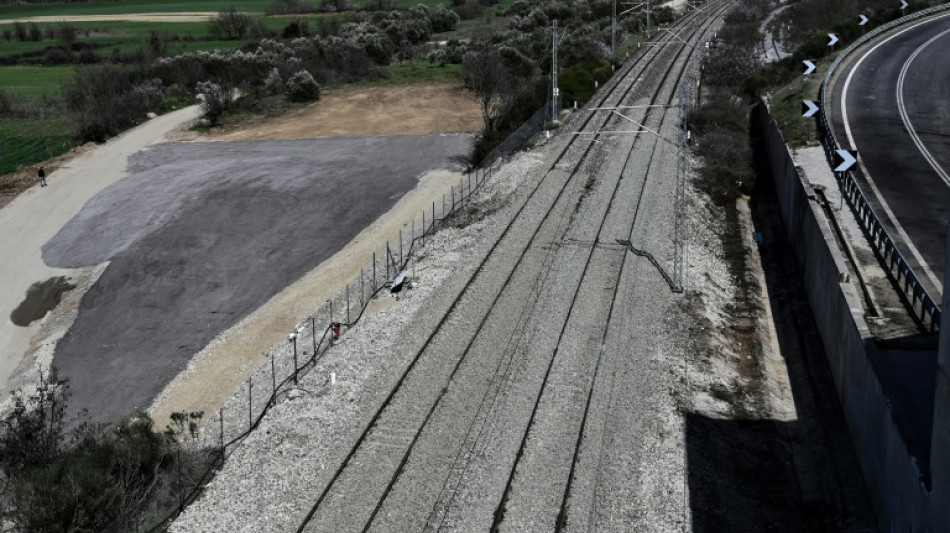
(892, 478)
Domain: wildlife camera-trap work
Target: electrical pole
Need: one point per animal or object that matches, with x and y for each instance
(648, 18)
(613, 31)
(554, 89)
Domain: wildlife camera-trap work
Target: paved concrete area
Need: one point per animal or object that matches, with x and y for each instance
(35, 216)
(201, 234)
(896, 111)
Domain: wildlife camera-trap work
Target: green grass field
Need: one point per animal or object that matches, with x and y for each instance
(25, 142)
(786, 107)
(419, 70)
(128, 36)
(28, 83)
(106, 7)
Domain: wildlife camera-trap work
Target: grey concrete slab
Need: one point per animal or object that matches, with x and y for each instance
(201, 234)
(907, 378)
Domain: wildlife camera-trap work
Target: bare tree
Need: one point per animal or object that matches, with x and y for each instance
(230, 24)
(484, 71)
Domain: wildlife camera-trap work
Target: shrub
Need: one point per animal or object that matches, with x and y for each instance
(104, 100)
(6, 103)
(290, 7)
(274, 84)
(33, 430)
(19, 29)
(443, 19)
(94, 477)
(66, 33)
(231, 25)
(296, 28)
(35, 33)
(301, 87)
(212, 101)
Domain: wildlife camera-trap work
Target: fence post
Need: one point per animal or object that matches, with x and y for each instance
(374, 272)
(388, 256)
(273, 377)
(443, 205)
(423, 235)
(250, 414)
(361, 288)
(453, 199)
(412, 233)
(347, 305)
(433, 210)
(181, 497)
(293, 339)
(221, 419)
(398, 268)
(313, 328)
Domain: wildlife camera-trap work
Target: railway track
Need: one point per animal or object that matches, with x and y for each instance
(453, 403)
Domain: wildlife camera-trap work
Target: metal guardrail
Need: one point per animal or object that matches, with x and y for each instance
(905, 276)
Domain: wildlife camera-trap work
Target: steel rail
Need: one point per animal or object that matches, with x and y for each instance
(387, 401)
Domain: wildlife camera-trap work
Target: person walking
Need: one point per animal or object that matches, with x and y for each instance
(42, 176)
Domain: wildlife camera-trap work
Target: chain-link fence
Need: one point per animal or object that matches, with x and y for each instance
(520, 136)
(311, 338)
(688, 101)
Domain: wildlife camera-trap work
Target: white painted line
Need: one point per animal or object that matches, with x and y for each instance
(903, 110)
(847, 128)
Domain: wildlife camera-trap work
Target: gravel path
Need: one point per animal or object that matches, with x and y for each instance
(39, 213)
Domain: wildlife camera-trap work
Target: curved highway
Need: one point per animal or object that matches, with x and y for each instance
(892, 104)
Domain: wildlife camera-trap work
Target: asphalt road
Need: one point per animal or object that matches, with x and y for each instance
(201, 234)
(892, 104)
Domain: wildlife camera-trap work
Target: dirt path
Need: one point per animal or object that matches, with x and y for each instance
(193, 16)
(39, 213)
(416, 109)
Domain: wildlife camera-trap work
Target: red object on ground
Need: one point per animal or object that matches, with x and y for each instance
(336, 330)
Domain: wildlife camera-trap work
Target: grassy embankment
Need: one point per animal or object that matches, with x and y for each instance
(26, 140)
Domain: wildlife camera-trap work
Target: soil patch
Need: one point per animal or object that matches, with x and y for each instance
(416, 109)
(41, 298)
(193, 16)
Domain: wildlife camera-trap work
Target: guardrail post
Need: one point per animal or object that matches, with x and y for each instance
(250, 414)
